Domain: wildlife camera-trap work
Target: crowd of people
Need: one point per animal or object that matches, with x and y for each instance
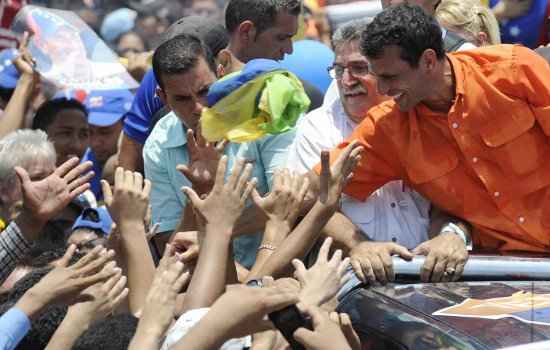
(131, 221)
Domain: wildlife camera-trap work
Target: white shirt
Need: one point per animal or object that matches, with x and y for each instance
(392, 213)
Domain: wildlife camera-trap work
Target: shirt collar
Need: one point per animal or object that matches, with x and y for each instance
(458, 71)
(175, 135)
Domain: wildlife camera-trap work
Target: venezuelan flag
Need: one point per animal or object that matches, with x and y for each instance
(261, 99)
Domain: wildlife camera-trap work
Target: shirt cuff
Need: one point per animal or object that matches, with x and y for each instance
(15, 324)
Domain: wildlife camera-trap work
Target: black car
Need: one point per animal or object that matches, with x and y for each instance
(454, 316)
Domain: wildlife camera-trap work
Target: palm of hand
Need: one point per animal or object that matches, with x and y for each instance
(202, 168)
(46, 197)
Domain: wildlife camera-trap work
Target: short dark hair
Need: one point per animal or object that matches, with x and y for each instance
(260, 12)
(407, 27)
(114, 333)
(47, 112)
(178, 55)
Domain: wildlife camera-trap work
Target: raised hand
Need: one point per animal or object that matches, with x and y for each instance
(333, 179)
(24, 63)
(187, 244)
(203, 162)
(323, 280)
(282, 205)
(160, 304)
(44, 199)
(130, 199)
(225, 203)
(65, 284)
(105, 297)
(326, 334)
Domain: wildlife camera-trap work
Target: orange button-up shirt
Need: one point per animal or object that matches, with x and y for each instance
(486, 161)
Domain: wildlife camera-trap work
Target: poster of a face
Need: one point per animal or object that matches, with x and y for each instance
(68, 52)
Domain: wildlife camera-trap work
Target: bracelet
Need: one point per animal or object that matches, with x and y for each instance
(267, 246)
(457, 230)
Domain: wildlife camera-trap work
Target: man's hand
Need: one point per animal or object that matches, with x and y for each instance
(372, 261)
(130, 199)
(225, 203)
(203, 162)
(323, 280)
(333, 179)
(65, 284)
(326, 334)
(24, 63)
(105, 299)
(283, 204)
(160, 304)
(186, 244)
(446, 256)
(44, 199)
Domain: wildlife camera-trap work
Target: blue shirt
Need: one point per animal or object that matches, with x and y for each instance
(146, 104)
(526, 29)
(95, 182)
(166, 147)
(14, 325)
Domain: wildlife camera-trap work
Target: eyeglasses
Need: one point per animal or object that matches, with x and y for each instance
(336, 71)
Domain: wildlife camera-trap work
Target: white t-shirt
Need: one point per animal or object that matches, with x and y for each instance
(188, 320)
(392, 213)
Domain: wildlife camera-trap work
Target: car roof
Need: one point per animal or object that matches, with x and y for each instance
(478, 315)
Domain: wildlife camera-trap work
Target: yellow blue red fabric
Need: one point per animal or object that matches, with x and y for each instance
(261, 99)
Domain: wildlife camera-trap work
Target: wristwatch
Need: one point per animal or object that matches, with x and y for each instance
(256, 282)
(457, 230)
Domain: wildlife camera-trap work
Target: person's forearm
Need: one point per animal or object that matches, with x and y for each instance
(31, 304)
(274, 235)
(209, 277)
(70, 329)
(344, 233)
(138, 261)
(130, 157)
(201, 337)
(145, 339)
(298, 243)
(14, 114)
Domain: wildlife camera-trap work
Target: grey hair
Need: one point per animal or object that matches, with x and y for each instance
(22, 148)
(349, 31)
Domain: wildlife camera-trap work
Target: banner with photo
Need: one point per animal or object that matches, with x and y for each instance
(69, 53)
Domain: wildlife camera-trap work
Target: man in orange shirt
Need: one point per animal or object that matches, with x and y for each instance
(467, 130)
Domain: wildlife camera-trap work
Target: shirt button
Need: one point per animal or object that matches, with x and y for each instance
(475, 159)
(455, 125)
(497, 194)
(393, 239)
(392, 205)
(521, 219)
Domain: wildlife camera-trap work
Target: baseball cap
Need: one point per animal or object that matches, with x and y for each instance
(212, 33)
(8, 73)
(95, 219)
(117, 23)
(106, 107)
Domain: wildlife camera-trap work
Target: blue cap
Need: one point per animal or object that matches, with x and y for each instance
(95, 219)
(106, 107)
(313, 71)
(8, 73)
(117, 23)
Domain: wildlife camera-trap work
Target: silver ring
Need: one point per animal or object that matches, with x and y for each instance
(449, 271)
